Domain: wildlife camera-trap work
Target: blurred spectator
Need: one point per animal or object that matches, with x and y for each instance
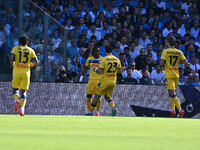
(140, 60)
(182, 76)
(116, 51)
(158, 75)
(72, 51)
(93, 31)
(102, 47)
(190, 79)
(195, 29)
(196, 79)
(127, 54)
(129, 79)
(145, 78)
(61, 76)
(133, 53)
(144, 40)
(149, 51)
(149, 62)
(193, 65)
(135, 73)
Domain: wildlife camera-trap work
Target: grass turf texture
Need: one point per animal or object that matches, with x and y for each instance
(97, 133)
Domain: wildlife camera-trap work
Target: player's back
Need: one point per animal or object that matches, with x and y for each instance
(23, 57)
(172, 57)
(110, 64)
(93, 63)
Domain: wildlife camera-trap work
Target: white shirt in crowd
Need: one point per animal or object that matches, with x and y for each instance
(162, 4)
(194, 32)
(134, 54)
(182, 31)
(166, 32)
(158, 78)
(195, 67)
(144, 42)
(185, 6)
(93, 17)
(96, 33)
(135, 74)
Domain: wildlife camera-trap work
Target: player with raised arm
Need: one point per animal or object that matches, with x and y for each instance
(21, 58)
(109, 67)
(171, 57)
(92, 62)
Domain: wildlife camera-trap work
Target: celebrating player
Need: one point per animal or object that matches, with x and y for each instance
(92, 62)
(171, 57)
(109, 67)
(21, 58)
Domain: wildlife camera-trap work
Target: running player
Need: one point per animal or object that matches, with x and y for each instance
(171, 57)
(92, 62)
(109, 67)
(22, 58)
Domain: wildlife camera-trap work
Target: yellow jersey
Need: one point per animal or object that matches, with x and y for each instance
(93, 63)
(172, 58)
(23, 57)
(110, 64)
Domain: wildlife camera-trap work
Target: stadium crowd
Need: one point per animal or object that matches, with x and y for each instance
(136, 29)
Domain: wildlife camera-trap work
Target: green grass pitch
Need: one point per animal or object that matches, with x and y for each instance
(97, 133)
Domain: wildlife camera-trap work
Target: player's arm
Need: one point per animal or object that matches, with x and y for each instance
(99, 71)
(12, 59)
(85, 68)
(162, 62)
(35, 62)
(186, 63)
(119, 70)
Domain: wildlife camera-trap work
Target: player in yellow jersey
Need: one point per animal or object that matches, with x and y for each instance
(171, 57)
(92, 62)
(21, 58)
(109, 67)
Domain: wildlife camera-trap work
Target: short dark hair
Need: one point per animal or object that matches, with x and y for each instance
(108, 49)
(96, 48)
(23, 39)
(171, 40)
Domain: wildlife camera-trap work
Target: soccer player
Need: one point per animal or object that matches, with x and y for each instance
(92, 62)
(21, 58)
(109, 67)
(171, 57)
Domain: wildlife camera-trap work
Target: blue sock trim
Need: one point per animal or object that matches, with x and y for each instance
(173, 96)
(23, 96)
(89, 95)
(16, 92)
(110, 101)
(93, 105)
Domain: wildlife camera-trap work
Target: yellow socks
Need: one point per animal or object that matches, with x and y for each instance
(176, 101)
(172, 103)
(16, 95)
(98, 105)
(89, 102)
(23, 103)
(92, 108)
(111, 103)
